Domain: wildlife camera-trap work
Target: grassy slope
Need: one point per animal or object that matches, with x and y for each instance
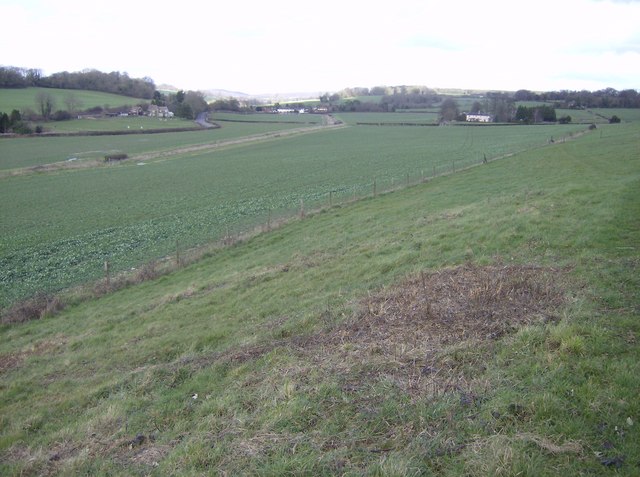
(59, 228)
(553, 399)
(25, 98)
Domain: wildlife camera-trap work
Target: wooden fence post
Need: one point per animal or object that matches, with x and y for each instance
(301, 208)
(107, 277)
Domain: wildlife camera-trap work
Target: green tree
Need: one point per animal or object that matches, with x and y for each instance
(158, 99)
(4, 123)
(15, 117)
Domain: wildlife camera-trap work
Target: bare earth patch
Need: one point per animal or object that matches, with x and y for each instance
(428, 333)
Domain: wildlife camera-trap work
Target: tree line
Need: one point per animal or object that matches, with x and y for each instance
(604, 98)
(93, 80)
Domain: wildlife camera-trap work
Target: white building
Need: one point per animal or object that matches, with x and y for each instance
(478, 118)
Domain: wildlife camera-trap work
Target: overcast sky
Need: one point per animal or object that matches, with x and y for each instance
(268, 46)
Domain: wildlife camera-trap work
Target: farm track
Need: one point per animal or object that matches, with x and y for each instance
(328, 123)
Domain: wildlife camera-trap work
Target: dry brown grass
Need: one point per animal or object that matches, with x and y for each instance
(35, 308)
(430, 333)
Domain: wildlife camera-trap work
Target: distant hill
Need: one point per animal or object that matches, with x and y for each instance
(25, 98)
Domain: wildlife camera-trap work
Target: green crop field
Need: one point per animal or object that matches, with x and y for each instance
(25, 98)
(27, 152)
(58, 228)
(481, 324)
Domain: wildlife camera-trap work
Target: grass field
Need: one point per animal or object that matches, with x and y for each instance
(305, 118)
(117, 124)
(378, 338)
(25, 98)
(58, 228)
(389, 118)
(19, 153)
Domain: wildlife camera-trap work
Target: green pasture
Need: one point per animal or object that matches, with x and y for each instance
(117, 124)
(420, 118)
(58, 228)
(306, 351)
(305, 118)
(16, 153)
(25, 98)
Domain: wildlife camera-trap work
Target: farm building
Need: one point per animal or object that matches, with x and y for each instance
(159, 111)
(478, 118)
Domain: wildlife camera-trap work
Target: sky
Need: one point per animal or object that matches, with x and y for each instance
(278, 46)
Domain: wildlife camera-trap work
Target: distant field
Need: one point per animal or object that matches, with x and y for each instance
(25, 98)
(398, 117)
(35, 151)
(117, 124)
(57, 229)
(268, 117)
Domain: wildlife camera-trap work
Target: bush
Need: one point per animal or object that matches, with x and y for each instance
(61, 115)
(564, 119)
(115, 157)
(35, 308)
(614, 119)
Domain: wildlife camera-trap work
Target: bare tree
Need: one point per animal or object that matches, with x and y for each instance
(45, 103)
(72, 102)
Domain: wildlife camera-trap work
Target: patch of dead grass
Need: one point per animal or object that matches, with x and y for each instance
(9, 361)
(429, 333)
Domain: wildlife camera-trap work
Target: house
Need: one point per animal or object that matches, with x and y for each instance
(156, 111)
(478, 118)
(135, 111)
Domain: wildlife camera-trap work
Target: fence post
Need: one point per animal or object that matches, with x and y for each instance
(301, 208)
(454, 167)
(177, 253)
(106, 274)
(374, 186)
(330, 198)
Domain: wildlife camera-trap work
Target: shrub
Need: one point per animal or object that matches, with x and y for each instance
(35, 308)
(614, 119)
(564, 119)
(61, 115)
(115, 157)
